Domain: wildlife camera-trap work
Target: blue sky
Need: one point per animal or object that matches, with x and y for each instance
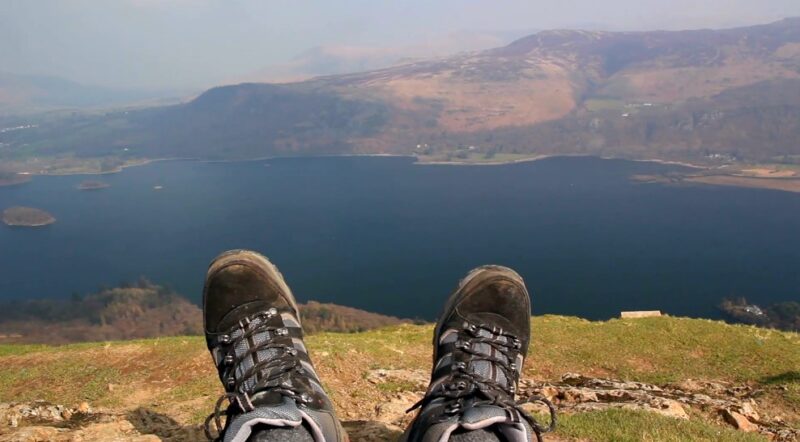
(197, 43)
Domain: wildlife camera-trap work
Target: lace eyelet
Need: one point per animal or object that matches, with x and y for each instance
(225, 339)
(231, 383)
(272, 311)
(513, 366)
(228, 360)
(460, 366)
(453, 408)
(282, 331)
(305, 398)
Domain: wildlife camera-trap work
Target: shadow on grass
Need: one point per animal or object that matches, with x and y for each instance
(790, 377)
(371, 431)
(149, 422)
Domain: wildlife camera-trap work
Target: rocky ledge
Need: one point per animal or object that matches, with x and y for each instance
(729, 404)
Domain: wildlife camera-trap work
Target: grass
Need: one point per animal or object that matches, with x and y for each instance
(616, 425)
(174, 376)
(661, 350)
(604, 104)
(477, 157)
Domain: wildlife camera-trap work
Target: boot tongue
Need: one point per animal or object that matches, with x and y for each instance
(488, 369)
(232, 317)
(490, 320)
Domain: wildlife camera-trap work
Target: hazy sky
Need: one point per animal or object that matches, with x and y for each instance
(196, 43)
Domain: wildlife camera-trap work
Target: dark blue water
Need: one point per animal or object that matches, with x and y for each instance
(386, 235)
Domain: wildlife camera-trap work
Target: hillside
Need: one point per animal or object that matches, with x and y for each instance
(688, 373)
(707, 96)
(36, 93)
(146, 310)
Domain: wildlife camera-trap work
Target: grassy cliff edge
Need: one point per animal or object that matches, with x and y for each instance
(372, 375)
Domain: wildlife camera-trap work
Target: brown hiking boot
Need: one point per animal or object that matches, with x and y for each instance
(480, 343)
(253, 331)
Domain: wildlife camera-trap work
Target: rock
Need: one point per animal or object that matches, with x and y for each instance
(670, 408)
(549, 392)
(84, 408)
(579, 395)
(577, 380)
(738, 421)
(640, 314)
(787, 435)
(14, 415)
(119, 431)
(573, 379)
(690, 385)
(748, 410)
(393, 411)
(620, 396)
(33, 434)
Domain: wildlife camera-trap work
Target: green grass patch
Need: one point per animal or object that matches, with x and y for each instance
(395, 386)
(661, 350)
(603, 104)
(633, 426)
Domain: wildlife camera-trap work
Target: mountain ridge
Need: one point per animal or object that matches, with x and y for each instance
(672, 95)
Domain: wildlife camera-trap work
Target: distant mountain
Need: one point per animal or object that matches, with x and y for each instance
(28, 93)
(684, 95)
(341, 59)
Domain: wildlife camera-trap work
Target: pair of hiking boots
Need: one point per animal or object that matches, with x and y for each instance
(254, 333)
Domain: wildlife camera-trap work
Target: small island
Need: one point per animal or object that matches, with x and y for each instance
(11, 178)
(27, 217)
(93, 185)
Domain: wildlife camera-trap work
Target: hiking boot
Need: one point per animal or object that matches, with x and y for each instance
(480, 343)
(253, 331)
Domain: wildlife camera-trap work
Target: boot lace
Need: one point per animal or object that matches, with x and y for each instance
(462, 385)
(272, 374)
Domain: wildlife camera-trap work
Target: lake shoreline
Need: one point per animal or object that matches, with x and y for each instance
(381, 215)
(730, 178)
(418, 160)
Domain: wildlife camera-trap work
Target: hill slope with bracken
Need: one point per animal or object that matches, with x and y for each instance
(685, 95)
(146, 310)
(665, 379)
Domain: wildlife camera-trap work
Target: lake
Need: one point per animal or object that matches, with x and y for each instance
(390, 236)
